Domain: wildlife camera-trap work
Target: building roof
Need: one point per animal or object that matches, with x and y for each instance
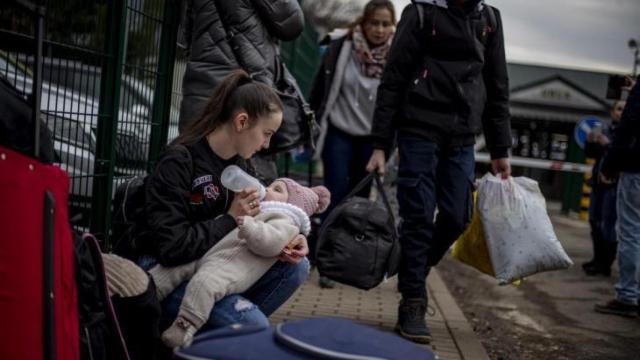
(590, 81)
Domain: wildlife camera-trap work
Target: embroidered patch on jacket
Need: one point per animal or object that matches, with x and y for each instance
(196, 199)
(211, 191)
(201, 180)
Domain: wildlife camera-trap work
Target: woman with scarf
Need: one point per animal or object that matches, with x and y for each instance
(344, 95)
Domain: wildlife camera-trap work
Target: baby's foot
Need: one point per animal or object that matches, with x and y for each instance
(179, 334)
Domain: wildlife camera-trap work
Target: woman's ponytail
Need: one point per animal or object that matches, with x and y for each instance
(237, 91)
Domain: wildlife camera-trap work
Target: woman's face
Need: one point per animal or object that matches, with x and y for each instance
(379, 27)
(277, 191)
(616, 111)
(255, 135)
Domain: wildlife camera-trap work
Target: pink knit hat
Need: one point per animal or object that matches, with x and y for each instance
(312, 200)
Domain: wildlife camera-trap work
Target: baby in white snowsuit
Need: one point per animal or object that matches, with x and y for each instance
(241, 258)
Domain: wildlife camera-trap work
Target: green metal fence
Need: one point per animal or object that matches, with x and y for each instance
(108, 71)
(302, 57)
(111, 93)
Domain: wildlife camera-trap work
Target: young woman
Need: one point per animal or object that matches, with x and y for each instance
(344, 95)
(188, 210)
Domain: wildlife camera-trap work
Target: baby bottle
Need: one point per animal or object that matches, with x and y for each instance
(235, 179)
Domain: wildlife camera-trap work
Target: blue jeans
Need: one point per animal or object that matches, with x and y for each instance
(602, 218)
(254, 306)
(345, 159)
(628, 227)
(430, 176)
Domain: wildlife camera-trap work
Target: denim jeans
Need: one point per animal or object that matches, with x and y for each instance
(345, 160)
(254, 306)
(430, 176)
(602, 218)
(628, 227)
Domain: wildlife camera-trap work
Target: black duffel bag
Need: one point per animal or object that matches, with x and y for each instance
(358, 242)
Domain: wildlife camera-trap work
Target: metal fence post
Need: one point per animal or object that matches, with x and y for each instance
(111, 79)
(162, 94)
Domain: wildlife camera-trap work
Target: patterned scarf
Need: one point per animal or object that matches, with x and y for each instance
(372, 61)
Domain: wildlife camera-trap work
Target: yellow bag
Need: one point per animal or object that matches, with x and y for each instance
(470, 248)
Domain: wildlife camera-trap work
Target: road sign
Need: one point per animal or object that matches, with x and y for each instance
(584, 127)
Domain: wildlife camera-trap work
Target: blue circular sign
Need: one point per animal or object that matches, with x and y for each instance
(584, 127)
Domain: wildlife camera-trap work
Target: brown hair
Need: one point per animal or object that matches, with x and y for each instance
(369, 9)
(238, 91)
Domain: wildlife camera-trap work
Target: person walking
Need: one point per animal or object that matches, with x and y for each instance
(622, 161)
(602, 203)
(343, 97)
(188, 210)
(445, 78)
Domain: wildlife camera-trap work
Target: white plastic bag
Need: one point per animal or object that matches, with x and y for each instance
(519, 234)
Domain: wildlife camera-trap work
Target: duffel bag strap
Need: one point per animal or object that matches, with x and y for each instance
(378, 182)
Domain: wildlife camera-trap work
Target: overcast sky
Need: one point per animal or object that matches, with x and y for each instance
(583, 34)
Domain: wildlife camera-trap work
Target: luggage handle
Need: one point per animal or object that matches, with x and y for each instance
(373, 175)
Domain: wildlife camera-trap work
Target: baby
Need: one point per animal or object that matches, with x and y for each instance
(238, 260)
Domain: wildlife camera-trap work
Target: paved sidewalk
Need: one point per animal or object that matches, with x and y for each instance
(454, 338)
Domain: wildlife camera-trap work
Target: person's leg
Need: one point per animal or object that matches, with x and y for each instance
(595, 212)
(169, 278)
(416, 198)
(455, 199)
(229, 310)
(277, 285)
(232, 309)
(608, 229)
(362, 151)
(336, 159)
(628, 230)
(204, 289)
(628, 238)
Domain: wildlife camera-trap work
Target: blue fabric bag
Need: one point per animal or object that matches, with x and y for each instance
(319, 338)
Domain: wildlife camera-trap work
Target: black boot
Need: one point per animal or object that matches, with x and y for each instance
(411, 322)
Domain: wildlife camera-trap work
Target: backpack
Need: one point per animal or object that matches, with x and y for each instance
(128, 213)
(299, 125)
(358, 242)
(486, 9)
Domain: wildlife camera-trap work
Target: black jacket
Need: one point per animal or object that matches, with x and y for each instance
(186, 205)
(624, 151)
(445, 78)
(324, 77)
(222, 36)
(594, 150)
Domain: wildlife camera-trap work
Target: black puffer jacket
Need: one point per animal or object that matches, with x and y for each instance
(186, 205)
(225, 35)
(446, 77)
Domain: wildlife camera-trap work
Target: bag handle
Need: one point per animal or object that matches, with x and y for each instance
(364, 182)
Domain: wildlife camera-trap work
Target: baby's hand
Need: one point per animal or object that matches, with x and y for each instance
(289, 248)
(240, 220)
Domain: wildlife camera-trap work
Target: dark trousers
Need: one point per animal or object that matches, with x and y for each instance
(602, 218)
(430, 176)
(345, 159)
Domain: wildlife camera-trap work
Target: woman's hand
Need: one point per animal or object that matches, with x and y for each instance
(299, 249)
(245, 203)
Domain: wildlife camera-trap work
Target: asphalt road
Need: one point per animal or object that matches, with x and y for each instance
(549, 316)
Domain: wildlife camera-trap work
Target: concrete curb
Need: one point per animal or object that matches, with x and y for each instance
(468, 344)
